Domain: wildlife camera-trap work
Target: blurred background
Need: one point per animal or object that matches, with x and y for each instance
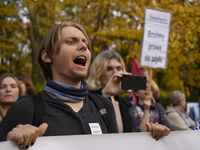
(111, 24)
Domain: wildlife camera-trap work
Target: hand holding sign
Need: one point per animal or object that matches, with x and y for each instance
(26, 135)
(155, 40)
(158, 130)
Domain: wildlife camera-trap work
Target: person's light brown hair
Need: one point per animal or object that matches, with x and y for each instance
(26, 79)
(52, 44)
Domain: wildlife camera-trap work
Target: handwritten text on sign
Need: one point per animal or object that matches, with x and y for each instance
(155, 39)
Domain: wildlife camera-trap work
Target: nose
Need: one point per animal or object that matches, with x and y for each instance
(8, 88)
(115, 70)
(83, 46)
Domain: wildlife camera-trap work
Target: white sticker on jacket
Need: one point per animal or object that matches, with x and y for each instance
(95, 128)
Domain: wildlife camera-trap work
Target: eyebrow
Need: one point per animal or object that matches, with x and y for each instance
(75, 38)
(115, 66)
(9, 84)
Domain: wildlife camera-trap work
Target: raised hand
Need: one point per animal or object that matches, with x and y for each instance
(113, 87)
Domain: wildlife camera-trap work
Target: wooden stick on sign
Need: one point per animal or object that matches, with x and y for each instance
(149, 89)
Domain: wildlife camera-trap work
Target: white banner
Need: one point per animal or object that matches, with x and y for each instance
(155, 39)
(176, 140)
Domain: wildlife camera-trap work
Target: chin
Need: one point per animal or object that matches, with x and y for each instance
(80, 77)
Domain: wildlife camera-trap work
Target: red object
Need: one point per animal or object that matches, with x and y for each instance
(135, 70)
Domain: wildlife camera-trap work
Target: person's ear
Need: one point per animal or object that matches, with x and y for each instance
(45, 57)
(180, 101)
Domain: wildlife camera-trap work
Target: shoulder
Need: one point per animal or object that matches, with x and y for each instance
(171, 110)
(23, 101)
(196, 105)
(159, 106)
(23, 106)
(96, 91)
(133, 107)
(26, 103)
(101, 102)
(26, 99)
(105, 100)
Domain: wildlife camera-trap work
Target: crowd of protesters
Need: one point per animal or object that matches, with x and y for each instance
(64, 57)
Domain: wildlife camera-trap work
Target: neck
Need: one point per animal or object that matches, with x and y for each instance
(179, 108)
(62, 91)
(140, 101)
(112, 98)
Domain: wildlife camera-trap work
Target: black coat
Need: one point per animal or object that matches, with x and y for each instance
(126, 118)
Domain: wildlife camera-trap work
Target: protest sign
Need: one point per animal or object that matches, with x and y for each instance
(176, 140)
(155, 38)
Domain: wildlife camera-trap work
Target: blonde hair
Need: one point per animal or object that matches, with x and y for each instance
(98, 68)
(52, 44)
(176, 97)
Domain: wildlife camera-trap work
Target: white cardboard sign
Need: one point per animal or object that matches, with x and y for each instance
(155, 38)
(176, 140)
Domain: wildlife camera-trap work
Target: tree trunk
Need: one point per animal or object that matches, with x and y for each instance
(35, 39)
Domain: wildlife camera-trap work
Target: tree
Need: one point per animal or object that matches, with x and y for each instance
(111, 24)
(13, 39)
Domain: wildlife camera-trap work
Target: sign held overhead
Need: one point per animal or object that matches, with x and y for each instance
(155, 38)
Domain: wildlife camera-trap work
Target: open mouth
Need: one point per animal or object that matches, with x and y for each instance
(80, 60)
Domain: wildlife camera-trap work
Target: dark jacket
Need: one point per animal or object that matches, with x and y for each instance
(126, 118)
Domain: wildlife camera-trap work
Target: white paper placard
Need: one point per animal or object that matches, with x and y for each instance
(155, 39)
(176, 140)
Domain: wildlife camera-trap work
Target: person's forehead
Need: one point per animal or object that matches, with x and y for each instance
(71, 32)
(114, 62)
(8, 80)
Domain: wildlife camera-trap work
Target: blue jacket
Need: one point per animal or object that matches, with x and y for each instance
(195, 112)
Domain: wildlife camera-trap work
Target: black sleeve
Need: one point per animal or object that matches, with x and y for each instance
(20, 112)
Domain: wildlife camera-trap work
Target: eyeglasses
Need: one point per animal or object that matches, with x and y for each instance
(118, 68)
(21, 82)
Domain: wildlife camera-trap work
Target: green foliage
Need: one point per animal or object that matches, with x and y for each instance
(111, 24)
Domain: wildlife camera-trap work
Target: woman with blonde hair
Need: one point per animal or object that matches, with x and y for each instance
(10, 91)
(104, 79)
